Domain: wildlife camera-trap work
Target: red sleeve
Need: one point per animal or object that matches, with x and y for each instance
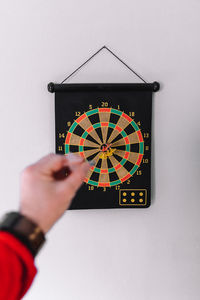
(17, 269)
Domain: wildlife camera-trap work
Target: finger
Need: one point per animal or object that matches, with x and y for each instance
(71, 157)
(75, 179)
(50, 163)
(55, 162)
(73, 161)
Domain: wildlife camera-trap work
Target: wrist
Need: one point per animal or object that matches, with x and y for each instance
(34, 216)
(27, 231)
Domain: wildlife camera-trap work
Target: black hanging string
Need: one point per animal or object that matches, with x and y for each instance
(104, 47)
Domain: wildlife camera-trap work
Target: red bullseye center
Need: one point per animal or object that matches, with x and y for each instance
(105, 147)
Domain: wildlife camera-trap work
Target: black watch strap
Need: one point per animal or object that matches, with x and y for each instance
(25, 230)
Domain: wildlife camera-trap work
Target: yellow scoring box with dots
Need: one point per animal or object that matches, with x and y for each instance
(136, 197)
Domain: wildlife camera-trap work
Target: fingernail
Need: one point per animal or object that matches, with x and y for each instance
(91, 162)
(74, 157)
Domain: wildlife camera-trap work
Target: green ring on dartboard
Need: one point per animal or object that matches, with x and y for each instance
(112, 140)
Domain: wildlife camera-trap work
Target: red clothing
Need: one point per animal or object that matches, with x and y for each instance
(17, 269)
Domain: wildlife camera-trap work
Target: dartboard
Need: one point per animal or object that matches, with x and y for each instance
(112, 140)
(110, 125)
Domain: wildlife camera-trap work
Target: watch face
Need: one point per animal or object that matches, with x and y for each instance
(10, 219)
(24, 230)
(112, 127)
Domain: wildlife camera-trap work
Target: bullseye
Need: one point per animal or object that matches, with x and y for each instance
(105, 147)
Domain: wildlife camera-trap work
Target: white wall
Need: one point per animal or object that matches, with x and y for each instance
(108, 254)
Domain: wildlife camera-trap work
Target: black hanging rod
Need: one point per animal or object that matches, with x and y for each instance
(62, 87)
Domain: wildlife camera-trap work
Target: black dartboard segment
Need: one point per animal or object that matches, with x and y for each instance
(112, 127)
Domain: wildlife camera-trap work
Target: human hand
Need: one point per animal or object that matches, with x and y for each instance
(45, 193)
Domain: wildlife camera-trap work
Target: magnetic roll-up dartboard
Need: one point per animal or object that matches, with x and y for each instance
(109, 124)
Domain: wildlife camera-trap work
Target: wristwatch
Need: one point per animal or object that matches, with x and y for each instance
(25, 230)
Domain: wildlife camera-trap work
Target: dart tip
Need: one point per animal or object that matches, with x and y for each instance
(91, 163)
